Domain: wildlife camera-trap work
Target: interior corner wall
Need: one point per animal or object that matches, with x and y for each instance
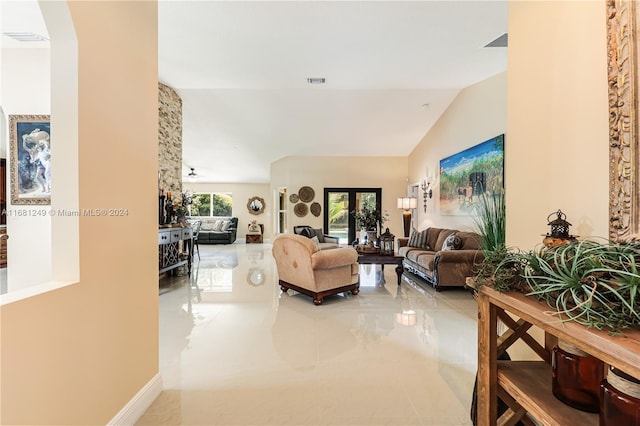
(241, 192)
(169, 139)
(477, 114)
(557, 127)
(25, 88)
(78, 354)
(388, 173)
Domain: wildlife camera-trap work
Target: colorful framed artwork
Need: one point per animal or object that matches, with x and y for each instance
(468, 174)
(30, 147)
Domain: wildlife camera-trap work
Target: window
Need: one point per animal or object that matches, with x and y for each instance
(212, 204)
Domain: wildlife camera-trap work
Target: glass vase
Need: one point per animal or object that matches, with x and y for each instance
(619, 399)
(576, 377)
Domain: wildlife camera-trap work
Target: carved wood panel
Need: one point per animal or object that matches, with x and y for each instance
(622, 58)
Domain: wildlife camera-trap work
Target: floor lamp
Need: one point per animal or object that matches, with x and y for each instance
(407, 203)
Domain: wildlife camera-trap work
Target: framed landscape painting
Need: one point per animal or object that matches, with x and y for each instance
(30, 145)
(468, 174)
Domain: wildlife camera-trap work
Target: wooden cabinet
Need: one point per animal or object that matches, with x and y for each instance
(526, 385)
(253, 238)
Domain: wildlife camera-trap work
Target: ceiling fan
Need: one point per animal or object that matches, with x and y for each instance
(193, 172)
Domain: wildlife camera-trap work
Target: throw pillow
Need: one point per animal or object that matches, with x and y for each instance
(308, 232)
(452, 242)
(413, 238)
(315, 240)
(206, 226)
(217, 225)
(424, 237)
(419, 239)
(318, 233)
(226, 224)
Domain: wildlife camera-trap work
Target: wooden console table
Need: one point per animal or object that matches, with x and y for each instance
(525, 386)
(175, 248)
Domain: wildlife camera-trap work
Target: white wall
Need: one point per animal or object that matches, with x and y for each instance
(25, 88)
(478, 113)
(388, 173)
(241, 193)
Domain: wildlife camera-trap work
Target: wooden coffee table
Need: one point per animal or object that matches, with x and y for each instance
(378, 259)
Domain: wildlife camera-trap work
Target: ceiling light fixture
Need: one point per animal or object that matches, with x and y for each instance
(193, 172)
(316, 80)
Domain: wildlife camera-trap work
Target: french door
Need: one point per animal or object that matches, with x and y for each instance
(338, 205)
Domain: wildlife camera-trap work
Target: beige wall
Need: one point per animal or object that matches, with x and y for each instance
(557, 122)
(557, 127)
(388, 173)
(241, 193)
(77, 355)
(478, 113)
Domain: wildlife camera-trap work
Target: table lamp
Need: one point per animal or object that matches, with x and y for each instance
(407, 203)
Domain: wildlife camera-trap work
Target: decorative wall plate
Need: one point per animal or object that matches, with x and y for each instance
(315, 209)
(306, 194)
(294, 198)
(301, 209)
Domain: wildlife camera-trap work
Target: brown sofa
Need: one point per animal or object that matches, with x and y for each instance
(439, 257)
(303, 267)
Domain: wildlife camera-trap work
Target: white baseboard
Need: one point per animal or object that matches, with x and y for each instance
(135, 408)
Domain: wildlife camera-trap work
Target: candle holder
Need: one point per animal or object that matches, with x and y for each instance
(427, 191)
(169, 212)
(161, 217)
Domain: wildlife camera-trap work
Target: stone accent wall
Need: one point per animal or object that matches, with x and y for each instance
(170, 140)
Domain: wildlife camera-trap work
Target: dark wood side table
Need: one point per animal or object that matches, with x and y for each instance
(253, 238)
(378, 259)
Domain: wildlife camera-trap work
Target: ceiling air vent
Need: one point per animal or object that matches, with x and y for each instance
(316, 80)
(500, 41)
(26, 37)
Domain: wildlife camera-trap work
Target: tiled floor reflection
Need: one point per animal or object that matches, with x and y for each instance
(234, 350)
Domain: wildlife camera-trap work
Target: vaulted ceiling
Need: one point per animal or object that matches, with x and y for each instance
(241, 68)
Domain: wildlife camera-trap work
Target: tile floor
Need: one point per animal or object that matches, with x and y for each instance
(235, 350)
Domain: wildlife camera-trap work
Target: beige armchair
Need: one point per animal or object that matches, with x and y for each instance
(303, 267)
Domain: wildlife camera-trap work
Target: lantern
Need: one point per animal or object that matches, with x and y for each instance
(559, 230)
(386, 243)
